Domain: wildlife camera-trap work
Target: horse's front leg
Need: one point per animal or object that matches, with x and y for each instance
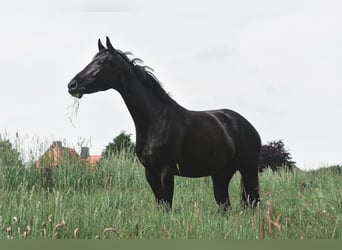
(153, 178)
(162, 184)
(167, 181)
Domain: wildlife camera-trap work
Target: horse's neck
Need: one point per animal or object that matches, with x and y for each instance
(143, 105)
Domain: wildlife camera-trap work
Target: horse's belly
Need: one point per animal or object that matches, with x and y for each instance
(202, 165)
(186, 172)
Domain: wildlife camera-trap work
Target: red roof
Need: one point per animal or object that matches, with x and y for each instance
(53, 156)
(93, 159)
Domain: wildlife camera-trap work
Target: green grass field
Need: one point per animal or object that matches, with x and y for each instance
(116, 202)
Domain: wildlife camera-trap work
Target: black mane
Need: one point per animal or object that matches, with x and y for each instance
(145, 73)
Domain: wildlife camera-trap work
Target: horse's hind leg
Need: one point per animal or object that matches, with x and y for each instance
(220, 185)
(249, 187)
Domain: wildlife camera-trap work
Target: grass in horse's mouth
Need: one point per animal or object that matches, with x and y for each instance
(73, 111)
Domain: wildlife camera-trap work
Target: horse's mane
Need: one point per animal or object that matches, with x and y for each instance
(146, 74)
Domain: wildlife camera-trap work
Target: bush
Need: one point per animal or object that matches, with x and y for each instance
(9, 156)
(273, 155)
(121, 143)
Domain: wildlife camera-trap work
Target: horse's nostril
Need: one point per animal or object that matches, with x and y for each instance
(72, 85)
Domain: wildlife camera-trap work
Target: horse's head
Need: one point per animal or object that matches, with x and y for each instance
(102, 73)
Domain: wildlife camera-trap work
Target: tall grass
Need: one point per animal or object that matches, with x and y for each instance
(115, 201)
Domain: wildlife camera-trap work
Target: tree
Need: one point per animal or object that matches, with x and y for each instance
(274, 155)
(9, 156)
(122, 142)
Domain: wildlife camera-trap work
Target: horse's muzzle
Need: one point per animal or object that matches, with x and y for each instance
(72, 85)
(73, 89)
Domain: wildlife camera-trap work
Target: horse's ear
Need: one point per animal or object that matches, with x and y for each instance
(109, 45)
(101, 47)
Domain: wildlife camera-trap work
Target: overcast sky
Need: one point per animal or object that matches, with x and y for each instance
(278, 64)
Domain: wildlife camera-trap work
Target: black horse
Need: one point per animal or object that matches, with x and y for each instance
(171, 140)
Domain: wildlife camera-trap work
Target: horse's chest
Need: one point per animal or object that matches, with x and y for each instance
(152, 154)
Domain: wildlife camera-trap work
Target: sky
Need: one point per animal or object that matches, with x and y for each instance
(278, 63)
